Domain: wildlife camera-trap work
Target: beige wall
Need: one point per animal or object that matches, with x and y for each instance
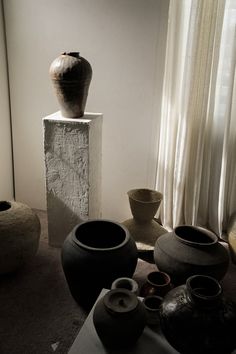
(124, 42)
(6, 180)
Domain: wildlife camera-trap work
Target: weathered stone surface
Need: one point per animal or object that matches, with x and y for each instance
(73, 171)
(19, 235)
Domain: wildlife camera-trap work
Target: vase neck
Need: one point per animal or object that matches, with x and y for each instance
(72, 54)
(204, 291)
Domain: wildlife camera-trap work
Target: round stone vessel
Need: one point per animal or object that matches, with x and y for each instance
(19, 235)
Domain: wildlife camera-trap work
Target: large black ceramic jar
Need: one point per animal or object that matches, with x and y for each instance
(119, 319)
(94, 254)
(190, 250)
(71, 75)
(196, 318)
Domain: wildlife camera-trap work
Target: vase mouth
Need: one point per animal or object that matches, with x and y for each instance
(120, 301)
(195, 235)
(4, 205)
(152, 302)
(125, 283)
(203, 289)
(72, 54)
(145, 195)
(158, 278)
(100, 235)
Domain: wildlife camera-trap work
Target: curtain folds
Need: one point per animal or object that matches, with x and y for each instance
(196, 169)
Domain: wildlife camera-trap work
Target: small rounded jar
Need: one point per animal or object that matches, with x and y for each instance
(152, 304)
(19, 235)
(197, 318)
(94, 254)
(157, 283)
(119, 319)
(190, 250)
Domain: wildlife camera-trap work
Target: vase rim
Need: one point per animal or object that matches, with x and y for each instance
(5, 205)
(125, 283)
(206, 237)
(152, 298)
(204, 289)
(120, 301)
(123, 228)
(159, 196)
(72, 54)
(162, 275)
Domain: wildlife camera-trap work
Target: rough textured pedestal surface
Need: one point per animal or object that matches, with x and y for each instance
(72, 150)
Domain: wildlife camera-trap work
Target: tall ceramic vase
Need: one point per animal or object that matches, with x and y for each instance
(71, 75)
(145, 230)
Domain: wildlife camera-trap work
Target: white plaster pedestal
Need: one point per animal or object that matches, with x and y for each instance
(73, 153)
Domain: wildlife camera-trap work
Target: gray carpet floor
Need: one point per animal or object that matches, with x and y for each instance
(38, 314)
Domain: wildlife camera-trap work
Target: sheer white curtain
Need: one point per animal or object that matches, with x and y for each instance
(196, 169)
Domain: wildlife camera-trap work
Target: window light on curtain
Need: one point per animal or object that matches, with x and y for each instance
(196, 167)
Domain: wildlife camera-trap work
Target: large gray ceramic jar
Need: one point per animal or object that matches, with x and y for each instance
(189, 250)
(94, 254)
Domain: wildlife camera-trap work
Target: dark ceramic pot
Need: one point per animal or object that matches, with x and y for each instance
(156, 283)
(119, 319)
(190, 250)
(19, 235)
(94, 254)
(71, 75)
(196, 318)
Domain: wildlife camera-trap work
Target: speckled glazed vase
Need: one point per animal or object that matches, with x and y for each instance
(145, 230)
(196, 318)
(94, 254)
(119, 318)
(19, 235)
(190, 250)
(71, 75)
